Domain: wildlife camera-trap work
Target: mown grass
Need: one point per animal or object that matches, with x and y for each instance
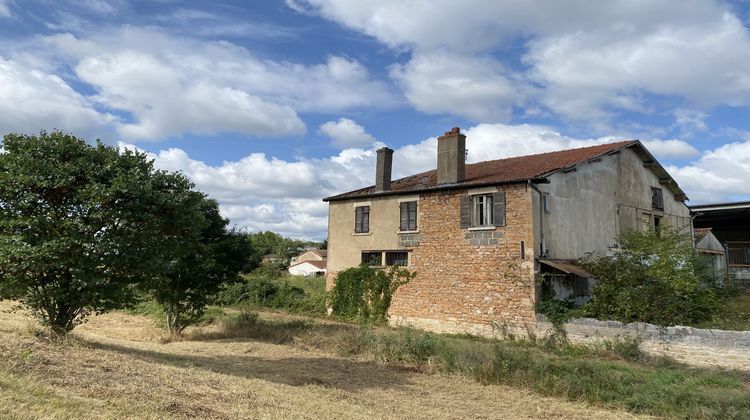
(115, 366)
(612, 375)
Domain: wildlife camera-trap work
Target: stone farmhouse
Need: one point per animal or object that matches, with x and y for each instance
(480, 236)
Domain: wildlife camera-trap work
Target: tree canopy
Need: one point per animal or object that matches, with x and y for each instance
(83, 228)
(76, 225)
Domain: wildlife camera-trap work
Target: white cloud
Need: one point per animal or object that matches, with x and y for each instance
(347, 133)
(718, 175)
(590, 60)
(31, 100)
(5, 8)
(170, 86)
(473, 87)
(165, 101)
(671, 149)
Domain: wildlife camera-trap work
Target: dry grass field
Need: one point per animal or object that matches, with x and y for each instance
(117, 366)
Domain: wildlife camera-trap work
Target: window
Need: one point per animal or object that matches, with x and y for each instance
(377, 258)
(657, 198)
(545, 202)
(362, 219)
(408, 216)
(397, 258)
(482, 210)
(372, 258)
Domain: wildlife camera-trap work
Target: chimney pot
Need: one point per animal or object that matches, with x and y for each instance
(383, 168)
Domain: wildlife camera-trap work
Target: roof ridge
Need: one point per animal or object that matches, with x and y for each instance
(503, 170)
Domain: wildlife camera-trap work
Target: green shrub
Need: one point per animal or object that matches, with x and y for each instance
(364, 294)
(655, 277)
(262, 290)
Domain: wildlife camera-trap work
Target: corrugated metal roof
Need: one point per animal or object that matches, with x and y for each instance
(567, 266)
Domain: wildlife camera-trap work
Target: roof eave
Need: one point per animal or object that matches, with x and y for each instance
(457, 186)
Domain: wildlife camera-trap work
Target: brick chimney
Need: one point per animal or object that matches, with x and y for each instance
(451, 157)
(383, 169)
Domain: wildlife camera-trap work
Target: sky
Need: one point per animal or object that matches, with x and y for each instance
(269, 106)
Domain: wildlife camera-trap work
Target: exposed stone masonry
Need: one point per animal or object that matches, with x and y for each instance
(479, 238)
(409, 240)
(470, 277)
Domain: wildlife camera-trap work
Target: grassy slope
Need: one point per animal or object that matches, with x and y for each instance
(116, 367)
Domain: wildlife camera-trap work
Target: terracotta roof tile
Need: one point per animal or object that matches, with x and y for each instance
(515, 169)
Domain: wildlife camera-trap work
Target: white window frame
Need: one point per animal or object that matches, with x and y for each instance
(482, 208)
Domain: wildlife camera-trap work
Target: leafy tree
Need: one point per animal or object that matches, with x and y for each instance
(76, 225)
(265, 243)
(655, 277)
(198, 255)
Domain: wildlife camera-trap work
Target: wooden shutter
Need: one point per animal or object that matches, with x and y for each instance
(465, 212)
(358, 219)
(498, 199)
(404, 211)
(365, 219)
(412, 207)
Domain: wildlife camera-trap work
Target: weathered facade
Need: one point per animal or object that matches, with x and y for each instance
(479, 236)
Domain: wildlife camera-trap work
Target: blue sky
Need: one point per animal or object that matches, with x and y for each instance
(270, 105)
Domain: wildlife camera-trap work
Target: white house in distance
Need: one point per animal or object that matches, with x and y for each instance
(310, 263)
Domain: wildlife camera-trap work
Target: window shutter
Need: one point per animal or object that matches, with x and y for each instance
(412, 215)
(404, 209)
(365, 219)
(358, 213)
(465, 212)
(498, 199)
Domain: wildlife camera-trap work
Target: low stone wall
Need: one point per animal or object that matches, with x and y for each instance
(695, 346)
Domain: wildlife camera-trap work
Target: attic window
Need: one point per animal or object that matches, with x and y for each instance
(657, 198)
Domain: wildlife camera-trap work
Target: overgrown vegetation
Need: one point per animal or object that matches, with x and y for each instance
(364, 294)
(656, 277)
(733, 314)
(266, 289)
(613, 374)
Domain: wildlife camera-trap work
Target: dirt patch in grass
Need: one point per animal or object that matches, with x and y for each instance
(116, 367)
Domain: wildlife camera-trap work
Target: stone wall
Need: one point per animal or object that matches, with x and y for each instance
(469, 277)
(695, 346)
